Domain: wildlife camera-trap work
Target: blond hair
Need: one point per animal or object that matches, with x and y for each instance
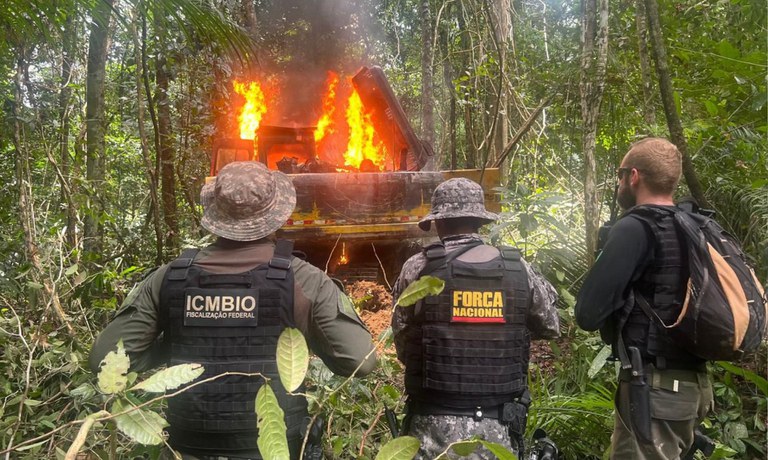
(659, 161)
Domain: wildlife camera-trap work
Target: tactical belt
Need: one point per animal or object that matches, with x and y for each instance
(424, 408)
(667, 379)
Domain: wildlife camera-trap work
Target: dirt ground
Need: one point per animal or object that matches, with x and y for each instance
(375, 305)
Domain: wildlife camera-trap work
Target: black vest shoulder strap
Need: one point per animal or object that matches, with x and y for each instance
(178, 268)
(512, 258)
(281, 260)
(437, 255)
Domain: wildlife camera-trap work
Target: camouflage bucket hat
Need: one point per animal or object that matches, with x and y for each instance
(458, 197)
(249, 202)
(206, 194)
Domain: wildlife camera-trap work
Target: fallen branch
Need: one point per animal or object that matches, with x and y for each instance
(521, 132)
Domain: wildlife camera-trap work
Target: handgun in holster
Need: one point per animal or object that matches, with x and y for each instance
(314, 434)
(515, 416)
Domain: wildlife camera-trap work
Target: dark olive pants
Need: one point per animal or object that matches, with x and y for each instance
(679, 402)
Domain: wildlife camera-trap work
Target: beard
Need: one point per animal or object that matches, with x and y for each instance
(626, 198)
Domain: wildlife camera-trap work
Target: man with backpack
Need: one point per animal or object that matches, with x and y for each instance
(664, 391)
(466, 350)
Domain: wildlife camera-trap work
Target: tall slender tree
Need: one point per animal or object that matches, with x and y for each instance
(427, 77)
(594, 56)
(668, 101)
(98, 45)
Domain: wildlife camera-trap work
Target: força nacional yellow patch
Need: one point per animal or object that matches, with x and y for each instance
(477, 306)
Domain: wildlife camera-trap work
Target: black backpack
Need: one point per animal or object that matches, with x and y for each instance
(723, 316)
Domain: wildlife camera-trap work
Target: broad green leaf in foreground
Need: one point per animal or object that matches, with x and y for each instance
(112, 377)
(143, 426)
(760, 382)
(272, 442)
(599, 361)
(422, 287)
(402, 448)
(463, 448)
(501, 452)
(171, 378)
(292, 358)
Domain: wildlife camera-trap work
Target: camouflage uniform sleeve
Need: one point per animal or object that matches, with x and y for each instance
(543, 319)
(400, 316)
(335, 332)
(136, 323)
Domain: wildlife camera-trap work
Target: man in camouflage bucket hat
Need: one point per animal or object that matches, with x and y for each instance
(225, 306)
(466, 350)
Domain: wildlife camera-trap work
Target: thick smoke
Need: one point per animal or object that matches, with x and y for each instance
(304, 39)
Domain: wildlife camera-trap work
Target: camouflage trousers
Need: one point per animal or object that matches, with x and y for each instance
(674, 417)
(437, 432)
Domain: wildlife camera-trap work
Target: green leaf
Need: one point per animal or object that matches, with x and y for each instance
(760, 382)
(423, 287)
(402, 448)
(464, 448)
(599, 361)
(272, 442)
(142, 426)
(501, 452)
(112, 377)
(292, 358)
(711, 108)
(72, 269)
(567, 297)
(171, 378)
(724, 48)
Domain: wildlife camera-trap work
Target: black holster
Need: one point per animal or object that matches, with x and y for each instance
(314, 434)
(515, 416)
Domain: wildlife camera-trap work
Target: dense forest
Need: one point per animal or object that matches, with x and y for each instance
(110, 110)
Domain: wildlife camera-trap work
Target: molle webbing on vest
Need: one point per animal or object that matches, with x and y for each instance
(470, 344)
(218, 417)
(662, 285)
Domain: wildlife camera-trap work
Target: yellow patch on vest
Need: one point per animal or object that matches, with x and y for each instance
(478, 307)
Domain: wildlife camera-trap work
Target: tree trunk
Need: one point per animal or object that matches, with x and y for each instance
(471, 149)
(68, 51)
(668, 100)
(26, 201)
(448, 73)
(98, 44)
(166, 148)
(427, 78)
(594, 55)
(150, 169)
(649, 114)
(502, 29)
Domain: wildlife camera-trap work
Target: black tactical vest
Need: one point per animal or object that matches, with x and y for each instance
(227, 323)
(469, 346)
(662, 284)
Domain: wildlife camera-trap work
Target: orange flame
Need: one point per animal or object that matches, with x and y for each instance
(324, 123)
(254, 109)
(362, 144)
(343, 260)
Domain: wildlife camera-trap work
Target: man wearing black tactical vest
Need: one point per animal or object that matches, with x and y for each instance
(466, 350)
(657, 408)
(225, 306)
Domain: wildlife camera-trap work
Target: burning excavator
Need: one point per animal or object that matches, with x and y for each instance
(362, 177)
